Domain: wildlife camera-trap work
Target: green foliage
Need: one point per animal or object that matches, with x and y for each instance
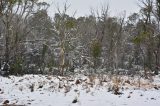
(16, 67)
(137, 40)
(12, 1)
(140, 38)
(51, 62)
(63, 20)
(70, 24)
(96, 48)
(44, 50)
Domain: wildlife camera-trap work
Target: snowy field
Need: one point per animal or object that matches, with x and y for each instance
(39, 90)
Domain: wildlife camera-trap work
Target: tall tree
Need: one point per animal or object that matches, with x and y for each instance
(63, 26)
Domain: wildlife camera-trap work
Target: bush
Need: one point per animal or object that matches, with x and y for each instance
(16, 66)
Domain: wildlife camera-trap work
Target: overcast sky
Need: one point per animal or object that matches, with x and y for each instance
(83, 6)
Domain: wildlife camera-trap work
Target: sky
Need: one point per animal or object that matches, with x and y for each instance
(83, 7)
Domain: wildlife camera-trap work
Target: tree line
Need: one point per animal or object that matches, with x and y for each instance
(32, 42)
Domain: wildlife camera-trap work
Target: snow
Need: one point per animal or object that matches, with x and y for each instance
(40, 90)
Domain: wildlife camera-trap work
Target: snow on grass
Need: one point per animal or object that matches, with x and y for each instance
(40, 90)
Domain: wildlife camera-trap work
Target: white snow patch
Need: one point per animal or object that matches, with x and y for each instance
(39, 90)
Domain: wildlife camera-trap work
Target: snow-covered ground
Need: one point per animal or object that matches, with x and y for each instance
(39, 90)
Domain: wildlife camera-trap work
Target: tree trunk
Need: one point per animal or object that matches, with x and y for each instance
(62, 61)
